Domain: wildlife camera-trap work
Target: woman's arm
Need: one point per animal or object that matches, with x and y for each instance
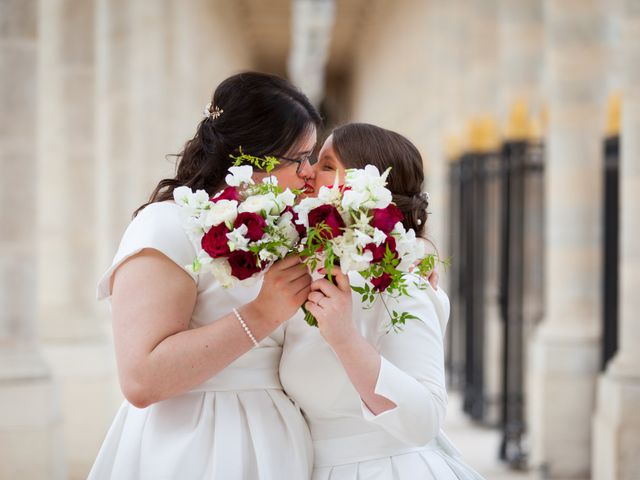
(153, 299)
(402, 386)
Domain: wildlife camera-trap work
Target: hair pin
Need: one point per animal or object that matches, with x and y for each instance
(212, 112)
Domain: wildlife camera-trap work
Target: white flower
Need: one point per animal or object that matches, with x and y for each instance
(237, 240)
(287, 229)
(194, 203)
(354, 199)
(361, 238)
(367, 188)
(181, 195)
(221, 270)
(239, 175)
(378, 236)
(222, 211)
(304, 207)
(286, 199)
(259, 203)
(330, 195)
(347, 250)
(409, 249)
(270, 180)
(366, 179)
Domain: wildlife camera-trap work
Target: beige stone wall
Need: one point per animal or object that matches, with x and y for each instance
(95, 94)
(394, 85)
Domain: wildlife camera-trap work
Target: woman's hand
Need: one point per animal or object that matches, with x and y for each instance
(331, 306)
(285, 287)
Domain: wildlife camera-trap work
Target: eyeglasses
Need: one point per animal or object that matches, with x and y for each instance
(300, 161)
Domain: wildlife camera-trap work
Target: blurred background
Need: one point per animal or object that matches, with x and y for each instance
(527, 113)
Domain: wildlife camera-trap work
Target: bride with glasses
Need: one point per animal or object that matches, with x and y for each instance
(198, 363)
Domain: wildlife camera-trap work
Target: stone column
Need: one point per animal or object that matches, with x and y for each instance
(30, 439)
(74, 331)
(617, 421)
(565, 351)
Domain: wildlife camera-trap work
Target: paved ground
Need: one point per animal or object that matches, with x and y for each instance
(479, 445)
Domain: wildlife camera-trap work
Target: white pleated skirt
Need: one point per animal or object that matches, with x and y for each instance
(421, 465)
(439, 460)
(246, 434)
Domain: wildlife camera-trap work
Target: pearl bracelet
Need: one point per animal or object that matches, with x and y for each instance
(245, 327)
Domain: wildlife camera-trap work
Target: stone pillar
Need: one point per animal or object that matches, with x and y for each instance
(74, 331)
(30, 439)
(565, 351)
(443, 63)
(617, 421)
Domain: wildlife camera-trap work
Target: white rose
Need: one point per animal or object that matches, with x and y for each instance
(258, 203)
(223, 211)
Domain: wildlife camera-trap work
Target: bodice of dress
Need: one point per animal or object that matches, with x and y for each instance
(411, 375)
(160, 226)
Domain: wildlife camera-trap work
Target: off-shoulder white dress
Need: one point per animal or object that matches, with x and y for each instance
(237, 425)
(350, 442)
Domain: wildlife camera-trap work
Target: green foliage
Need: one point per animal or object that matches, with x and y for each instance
(262, 163)
(398, 320)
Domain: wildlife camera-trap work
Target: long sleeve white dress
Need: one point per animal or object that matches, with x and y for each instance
(349, 441)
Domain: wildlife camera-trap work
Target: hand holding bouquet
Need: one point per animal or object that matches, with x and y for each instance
(356, 226)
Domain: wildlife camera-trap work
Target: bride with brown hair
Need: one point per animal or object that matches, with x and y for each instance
(375, 402)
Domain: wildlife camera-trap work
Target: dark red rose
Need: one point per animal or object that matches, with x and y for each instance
(379, 251)
(215, 241)
(386, 218)
(329, 215)
(382, 282)
(243, 264)
(229, 193)
(255, 225)
(300, 228)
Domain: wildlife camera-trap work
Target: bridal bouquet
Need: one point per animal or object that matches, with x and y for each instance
(241, 230)
(357, 227)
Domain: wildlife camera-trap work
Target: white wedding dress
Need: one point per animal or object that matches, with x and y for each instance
(350, 442)
(237, 425)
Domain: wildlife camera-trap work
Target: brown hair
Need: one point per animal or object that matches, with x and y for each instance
(264, 114)
(361, 144)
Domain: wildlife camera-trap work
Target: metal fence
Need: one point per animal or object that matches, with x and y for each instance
(496, 236)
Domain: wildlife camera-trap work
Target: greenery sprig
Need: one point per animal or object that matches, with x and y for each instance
(267, 163)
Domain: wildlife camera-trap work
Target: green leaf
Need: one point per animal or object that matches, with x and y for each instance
(262, 163)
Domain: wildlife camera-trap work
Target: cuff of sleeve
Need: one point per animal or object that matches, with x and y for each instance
(391, 384)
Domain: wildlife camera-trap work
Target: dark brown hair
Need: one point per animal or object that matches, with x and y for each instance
(361, 144)
(264, 114)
